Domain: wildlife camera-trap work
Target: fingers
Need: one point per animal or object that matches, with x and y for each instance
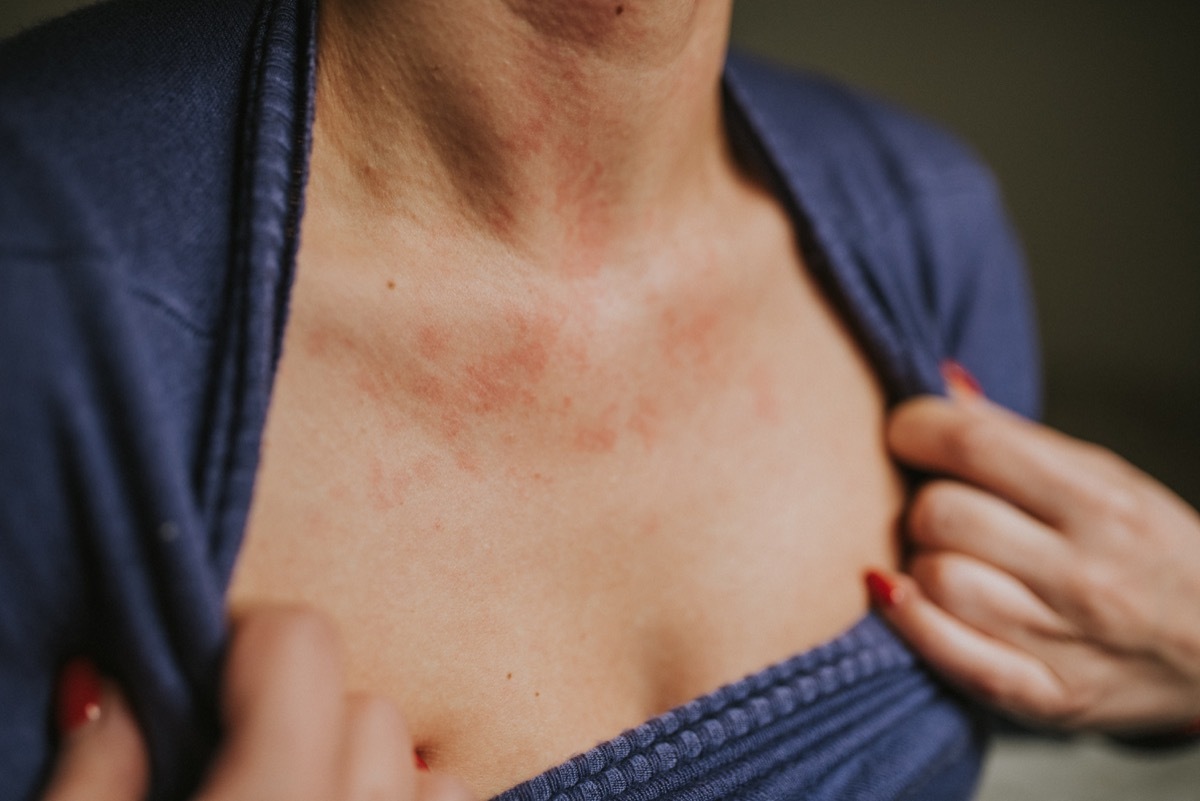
(991, 601)
(292, 732)
(374, 746)
(952, 516)
(1045, 473)
(1000, 674)
(101, 756)
(283, 706)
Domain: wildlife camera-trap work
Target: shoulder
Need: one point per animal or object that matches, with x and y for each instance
(116, 117)
(844, 135)
(118, 135)
(911, 217)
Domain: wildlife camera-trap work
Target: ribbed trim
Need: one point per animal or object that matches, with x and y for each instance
(823, 706)
(274, 157)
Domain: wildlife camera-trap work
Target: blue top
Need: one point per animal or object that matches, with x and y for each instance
(152, 163)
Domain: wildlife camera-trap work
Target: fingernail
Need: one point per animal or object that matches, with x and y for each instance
(885, 592)
(79, 692)
(959, 381)
(420, 762)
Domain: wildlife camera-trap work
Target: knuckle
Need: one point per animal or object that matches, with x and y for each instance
(1110, 462)
(1102, 456)
(934, 511)
(1121, 508)
(1100, 604)
(934, 572)
(971, 440)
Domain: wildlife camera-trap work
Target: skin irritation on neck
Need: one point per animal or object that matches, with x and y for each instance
(547, 339)
(566, 131)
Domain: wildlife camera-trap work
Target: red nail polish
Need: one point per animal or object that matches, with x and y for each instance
(79, 693)
(420, 762)
(959, 380)
(885, 593)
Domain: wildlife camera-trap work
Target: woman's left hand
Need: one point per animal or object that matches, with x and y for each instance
(1048, 577)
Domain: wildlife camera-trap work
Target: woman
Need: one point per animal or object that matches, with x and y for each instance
(585, 367)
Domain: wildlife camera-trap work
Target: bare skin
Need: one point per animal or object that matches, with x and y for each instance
(564, 434)
(1050, 578)
(291, 732)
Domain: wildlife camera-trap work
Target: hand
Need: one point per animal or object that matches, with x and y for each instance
(1048, 577)
(291, 730)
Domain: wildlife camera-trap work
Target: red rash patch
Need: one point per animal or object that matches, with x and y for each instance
(592, 218)
(501, 380)
(493, 381)
(432, 342)
(371, 383)
(428, 387)
(596, 439)
(690, 339)
(530, 139)
(452, 424)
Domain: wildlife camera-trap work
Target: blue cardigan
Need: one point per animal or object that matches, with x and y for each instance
(153, 156)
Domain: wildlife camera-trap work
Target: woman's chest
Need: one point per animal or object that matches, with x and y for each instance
(537, 526)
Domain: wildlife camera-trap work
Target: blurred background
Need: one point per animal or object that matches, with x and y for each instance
(1089, 113)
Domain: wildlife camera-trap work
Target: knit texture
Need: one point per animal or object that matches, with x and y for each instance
(834, 722)
(152, 161)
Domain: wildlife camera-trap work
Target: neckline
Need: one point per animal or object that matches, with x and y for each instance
(677, 747)
(744, 731)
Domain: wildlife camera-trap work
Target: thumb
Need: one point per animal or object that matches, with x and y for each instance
(101, 753)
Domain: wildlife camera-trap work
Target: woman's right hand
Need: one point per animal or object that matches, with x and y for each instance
(291, 730)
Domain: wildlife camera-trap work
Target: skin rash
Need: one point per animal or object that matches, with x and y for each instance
(560, 408)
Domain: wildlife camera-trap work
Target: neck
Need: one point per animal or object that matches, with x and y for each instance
(551, 126)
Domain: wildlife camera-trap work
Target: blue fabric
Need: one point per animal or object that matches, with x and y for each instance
(152, 164)
(855, 718)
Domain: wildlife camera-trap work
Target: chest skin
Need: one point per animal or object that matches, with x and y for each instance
(543, 510)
